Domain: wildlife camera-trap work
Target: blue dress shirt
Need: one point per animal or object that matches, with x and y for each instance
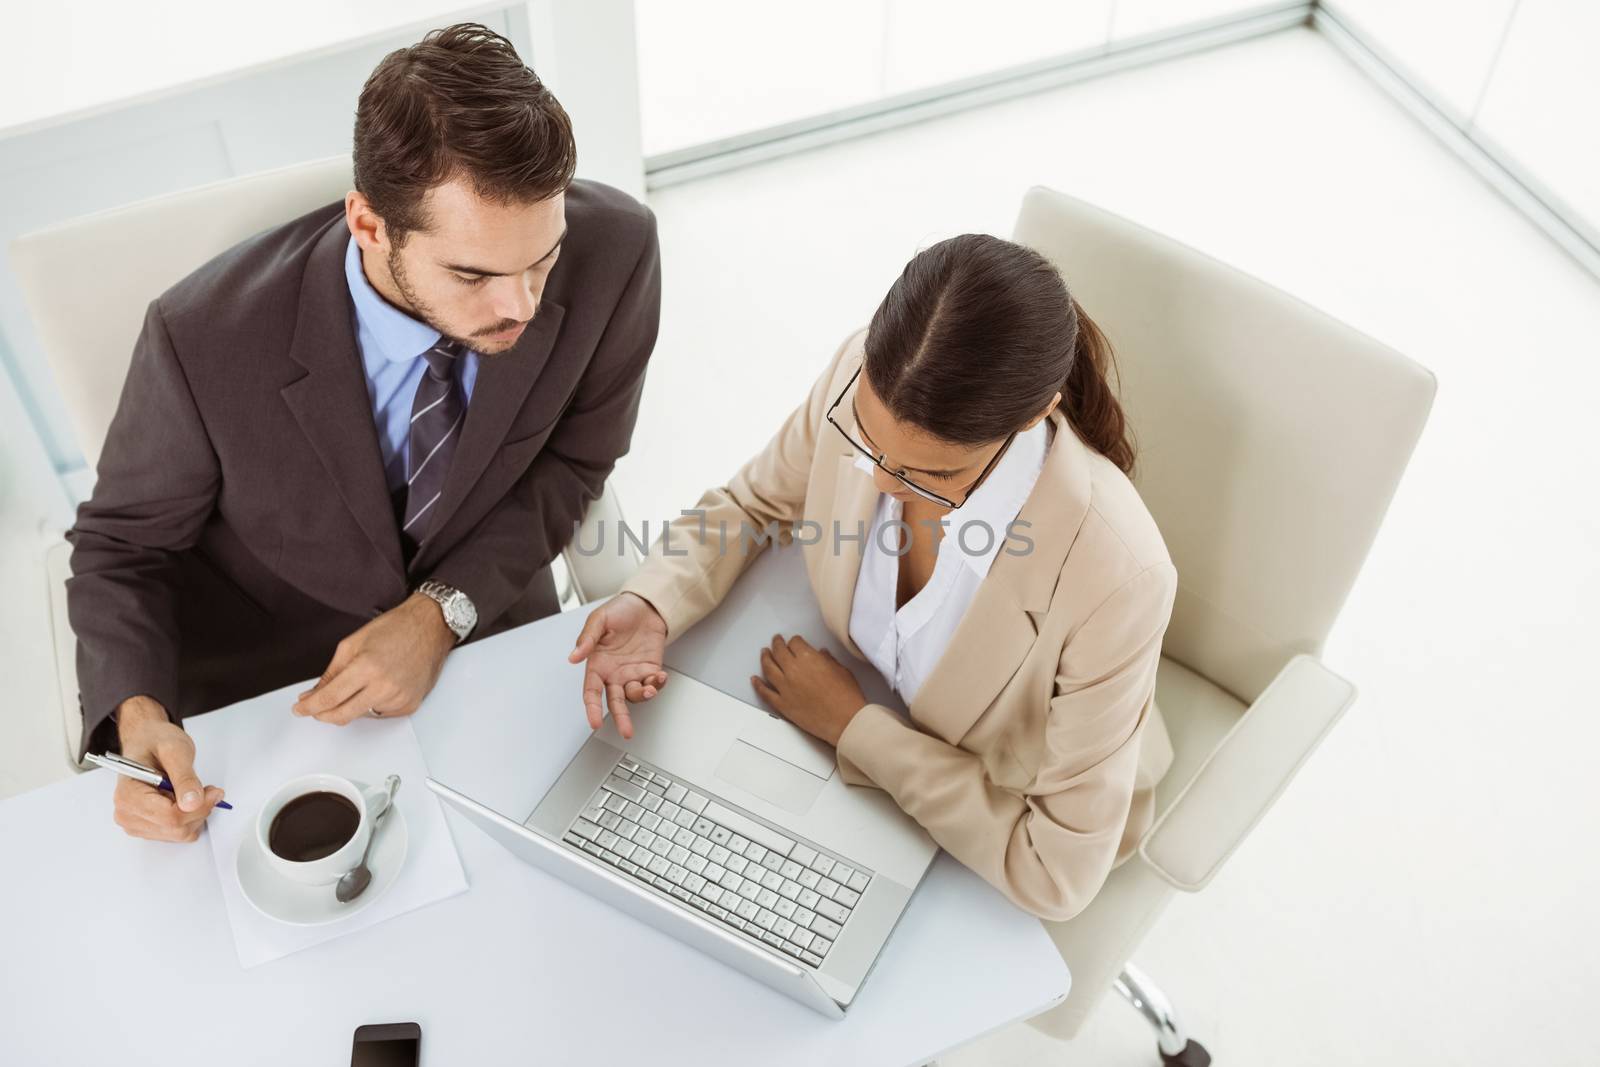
(392, 344)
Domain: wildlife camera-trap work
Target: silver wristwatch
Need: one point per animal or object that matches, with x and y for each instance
(460, 614)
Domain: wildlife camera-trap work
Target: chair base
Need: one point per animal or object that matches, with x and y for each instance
(1177, 1050)
(1194, 1054)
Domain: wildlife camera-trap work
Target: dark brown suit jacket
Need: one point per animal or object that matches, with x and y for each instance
(241, 527)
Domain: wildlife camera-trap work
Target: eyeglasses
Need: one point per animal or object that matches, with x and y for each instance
(877, 457)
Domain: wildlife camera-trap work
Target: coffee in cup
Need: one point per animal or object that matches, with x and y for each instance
(315, 828)
(313, 825)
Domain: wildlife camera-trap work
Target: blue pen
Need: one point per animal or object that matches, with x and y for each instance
(137, 771)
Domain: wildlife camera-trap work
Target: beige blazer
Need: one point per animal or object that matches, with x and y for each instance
(1034, 745)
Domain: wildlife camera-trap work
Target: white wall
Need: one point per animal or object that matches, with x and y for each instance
(710, 69)
(1445, 46)
(1135, 18)
(928, 42)
(1518, 75)
(1540, 104)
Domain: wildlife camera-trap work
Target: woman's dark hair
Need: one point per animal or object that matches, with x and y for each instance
(974, 338)
(458, 103)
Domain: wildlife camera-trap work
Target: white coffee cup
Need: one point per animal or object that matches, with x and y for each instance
(330, 868)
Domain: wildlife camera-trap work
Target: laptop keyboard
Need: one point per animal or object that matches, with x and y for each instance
(785, 893)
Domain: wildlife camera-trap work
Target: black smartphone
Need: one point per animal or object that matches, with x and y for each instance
(387, 1045)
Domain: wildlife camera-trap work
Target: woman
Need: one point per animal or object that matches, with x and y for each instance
(1011, 586)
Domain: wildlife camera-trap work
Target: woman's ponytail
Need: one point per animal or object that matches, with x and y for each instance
(1087, 399)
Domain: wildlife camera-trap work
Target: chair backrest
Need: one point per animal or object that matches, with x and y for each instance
(89, 280)
(1270, 436)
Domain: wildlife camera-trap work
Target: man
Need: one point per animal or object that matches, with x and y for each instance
(352, 441)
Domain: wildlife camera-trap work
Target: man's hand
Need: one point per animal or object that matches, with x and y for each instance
(388, 666)
(808, 687)
(624, 640)
(148, 737)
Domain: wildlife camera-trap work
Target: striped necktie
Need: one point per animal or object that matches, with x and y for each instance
(436, 417)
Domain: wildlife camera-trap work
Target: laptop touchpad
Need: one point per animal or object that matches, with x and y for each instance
(772, 779)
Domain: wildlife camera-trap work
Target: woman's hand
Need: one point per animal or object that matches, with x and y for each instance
(624, 640)
(808, 687)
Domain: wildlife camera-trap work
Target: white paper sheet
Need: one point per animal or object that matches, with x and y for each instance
(253, 748)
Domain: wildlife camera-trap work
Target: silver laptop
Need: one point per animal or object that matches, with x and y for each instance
(729, 829)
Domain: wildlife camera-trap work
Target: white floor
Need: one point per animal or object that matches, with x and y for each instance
(1417, 895)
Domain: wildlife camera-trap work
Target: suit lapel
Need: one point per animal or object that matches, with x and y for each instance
(502, 387)
(990, 643)
(330, 401)
(855, 500)
(1000, 626)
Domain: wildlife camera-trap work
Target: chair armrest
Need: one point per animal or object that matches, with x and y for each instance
(599, 574)
(1251, 766)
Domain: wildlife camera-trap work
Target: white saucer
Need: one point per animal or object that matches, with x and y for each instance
(278, 898)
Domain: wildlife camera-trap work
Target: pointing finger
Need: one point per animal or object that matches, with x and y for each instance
(619, 710)
(593, 695)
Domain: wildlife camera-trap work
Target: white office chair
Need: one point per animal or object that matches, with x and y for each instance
(88, 282)
(1271, 438)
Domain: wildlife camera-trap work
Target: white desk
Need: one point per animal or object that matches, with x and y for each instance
(519, 969)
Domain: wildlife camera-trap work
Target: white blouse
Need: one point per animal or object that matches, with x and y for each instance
(905, 644)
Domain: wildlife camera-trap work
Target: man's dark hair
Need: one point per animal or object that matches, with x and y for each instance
(460, 103)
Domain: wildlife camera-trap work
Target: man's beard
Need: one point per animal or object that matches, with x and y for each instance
(418, 307)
